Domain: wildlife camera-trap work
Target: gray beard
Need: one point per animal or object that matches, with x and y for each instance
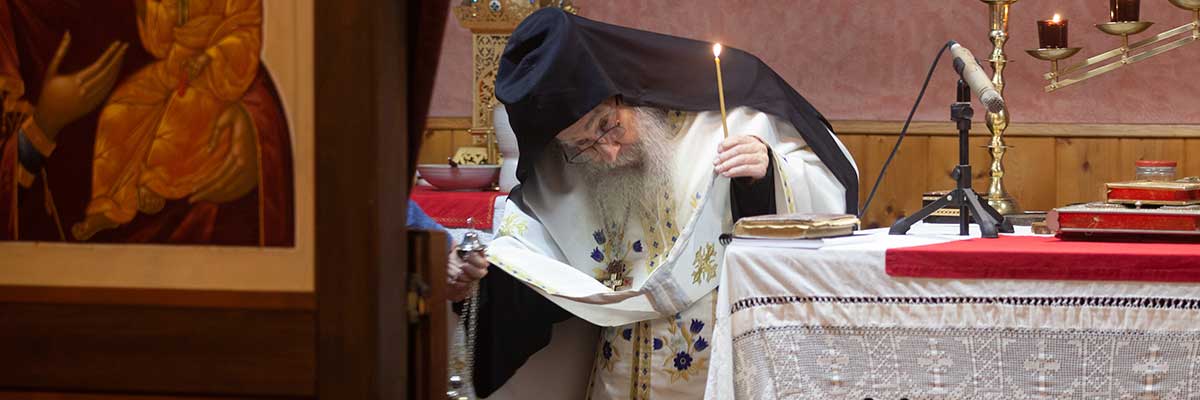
(633, 184)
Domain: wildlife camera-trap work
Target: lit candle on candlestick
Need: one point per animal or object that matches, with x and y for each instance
(1052, 34)
(720, 87)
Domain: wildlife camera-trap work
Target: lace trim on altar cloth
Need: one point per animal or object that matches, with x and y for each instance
(813, 362)
(1118, 302)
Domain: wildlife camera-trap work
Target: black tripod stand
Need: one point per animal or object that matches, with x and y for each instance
(964, 197)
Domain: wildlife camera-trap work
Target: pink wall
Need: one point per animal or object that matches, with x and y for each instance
(864, 60)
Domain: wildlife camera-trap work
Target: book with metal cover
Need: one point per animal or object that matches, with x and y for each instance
(1104, 221)
(1176, 193)
(795, 226)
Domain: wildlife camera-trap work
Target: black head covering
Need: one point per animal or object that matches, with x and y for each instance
(558, 66)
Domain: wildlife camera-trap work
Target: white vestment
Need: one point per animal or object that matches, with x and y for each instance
(658, 324)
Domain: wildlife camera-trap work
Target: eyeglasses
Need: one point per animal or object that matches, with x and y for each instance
(578, 156)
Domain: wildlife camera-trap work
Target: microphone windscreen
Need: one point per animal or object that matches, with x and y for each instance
(992, 100)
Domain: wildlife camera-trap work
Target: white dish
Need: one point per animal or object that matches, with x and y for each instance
(464, 177)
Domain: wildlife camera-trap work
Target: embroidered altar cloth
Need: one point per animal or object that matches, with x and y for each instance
(830, 323)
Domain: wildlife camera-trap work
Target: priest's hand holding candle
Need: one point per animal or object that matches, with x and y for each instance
(1052, 33)
(742, 155)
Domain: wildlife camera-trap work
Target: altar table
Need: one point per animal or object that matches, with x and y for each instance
(832, 323)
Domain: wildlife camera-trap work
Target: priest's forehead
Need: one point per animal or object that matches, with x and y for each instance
(587, 126)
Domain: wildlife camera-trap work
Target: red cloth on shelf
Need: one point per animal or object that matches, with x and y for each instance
(452, 208)
(1040, 257)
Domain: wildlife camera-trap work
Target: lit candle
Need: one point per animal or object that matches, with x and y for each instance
(720, 87)
(1052, 34)
(1123, 10)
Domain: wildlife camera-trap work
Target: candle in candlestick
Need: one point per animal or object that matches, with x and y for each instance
(720, 87)
(1052, 33)
(1124, 10)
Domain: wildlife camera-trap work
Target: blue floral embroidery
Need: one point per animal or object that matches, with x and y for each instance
(701, 344)
(637, 246)
(599, 236)
(684, 348)
(627, 333)
(597, 254)
(609, 355)
(697, 326)
(683, 361)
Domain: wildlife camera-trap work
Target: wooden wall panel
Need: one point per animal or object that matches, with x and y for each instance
(1030, 172)
(157, 349)
(443, 136)
(1084, 165)
(1191, 166)
(1133, 150)
(906, 175)
(943, 157)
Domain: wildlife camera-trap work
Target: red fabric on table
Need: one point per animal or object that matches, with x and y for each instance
(1041, 257)
(452, 208)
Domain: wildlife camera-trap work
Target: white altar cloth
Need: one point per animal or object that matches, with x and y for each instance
(831, 324)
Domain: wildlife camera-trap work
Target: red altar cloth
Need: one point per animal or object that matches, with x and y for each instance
(1039, 257)
(452, 208)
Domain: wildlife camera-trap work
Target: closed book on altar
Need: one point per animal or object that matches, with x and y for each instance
(795, 226)
(1177, 193)
(814, 243)
(1100, 220)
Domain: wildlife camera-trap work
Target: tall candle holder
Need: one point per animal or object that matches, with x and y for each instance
(997, 123)
(1129, 53)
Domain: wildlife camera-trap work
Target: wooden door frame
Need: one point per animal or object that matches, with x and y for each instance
(361, 78)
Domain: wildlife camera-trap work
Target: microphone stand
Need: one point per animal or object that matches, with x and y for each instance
(963, 196)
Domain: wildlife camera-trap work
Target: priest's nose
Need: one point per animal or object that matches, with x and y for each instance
(609, 151)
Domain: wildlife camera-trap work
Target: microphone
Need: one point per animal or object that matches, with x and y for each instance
(972, 73)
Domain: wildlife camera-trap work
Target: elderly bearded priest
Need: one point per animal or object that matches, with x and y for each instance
(627, 184)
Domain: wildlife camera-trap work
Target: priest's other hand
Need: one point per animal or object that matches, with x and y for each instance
(461, 273)
(742, 156)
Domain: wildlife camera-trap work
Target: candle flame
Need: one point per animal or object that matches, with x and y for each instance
(1056, 18)
(717, 50)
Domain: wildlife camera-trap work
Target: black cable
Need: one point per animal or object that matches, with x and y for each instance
(904, 130)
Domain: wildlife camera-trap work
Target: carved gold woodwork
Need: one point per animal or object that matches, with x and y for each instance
(491, 22)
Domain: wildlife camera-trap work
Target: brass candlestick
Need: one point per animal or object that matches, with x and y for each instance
(997, 196)
(1129, 53)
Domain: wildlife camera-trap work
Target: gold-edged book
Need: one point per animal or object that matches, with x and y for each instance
(795, 226)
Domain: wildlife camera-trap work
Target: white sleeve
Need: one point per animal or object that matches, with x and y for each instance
(802, 182)
(518, 229)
